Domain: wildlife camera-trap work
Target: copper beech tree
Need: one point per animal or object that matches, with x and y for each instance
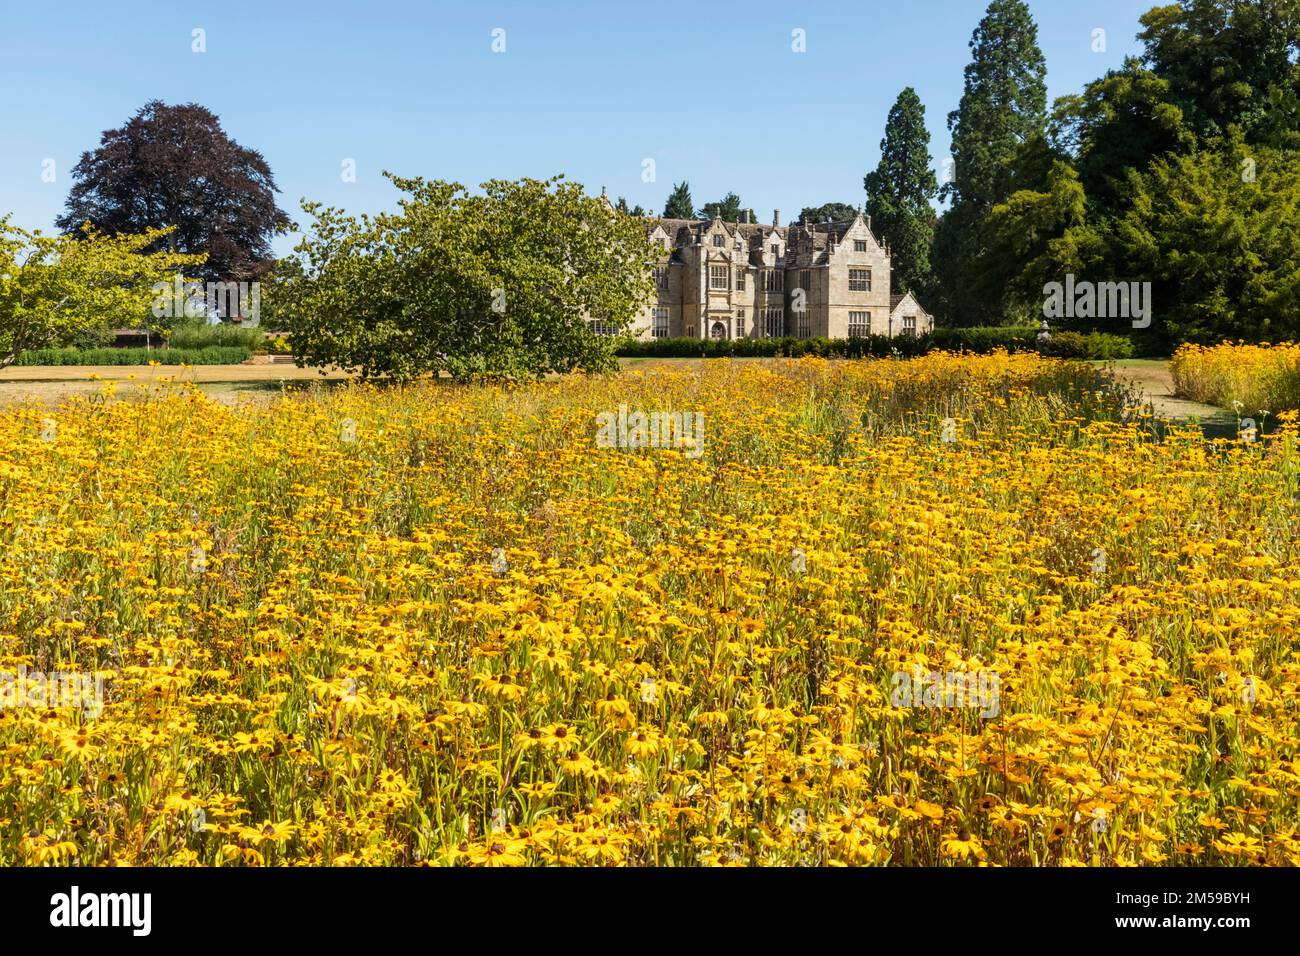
(175, 166)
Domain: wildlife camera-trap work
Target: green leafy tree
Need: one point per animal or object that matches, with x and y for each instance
(831, 211)
(727, 209)
(1218, 234)
(1119, 123)
(899, 191)
(1215, 231)
(1002, 110)
(680, 205)
(55, 290)
(1030, 231)
(499, 285)
(1208, 67)
(1216, 85)
(1230, 63)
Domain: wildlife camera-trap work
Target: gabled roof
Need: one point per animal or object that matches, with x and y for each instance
(746, 230)
(838, 228)
(896, 300)
(670, 226)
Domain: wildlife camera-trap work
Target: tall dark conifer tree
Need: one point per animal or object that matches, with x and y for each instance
(899, 193)
(680, 205)
(1002, 112)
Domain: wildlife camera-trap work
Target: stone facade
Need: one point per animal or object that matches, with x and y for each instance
(729, 280)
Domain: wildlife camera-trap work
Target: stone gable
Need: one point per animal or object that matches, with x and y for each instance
(752, 280)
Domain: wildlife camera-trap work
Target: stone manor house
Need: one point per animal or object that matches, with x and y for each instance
(731, 280)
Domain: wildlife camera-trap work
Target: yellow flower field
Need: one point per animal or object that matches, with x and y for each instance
(1258, 380)
(441, 625)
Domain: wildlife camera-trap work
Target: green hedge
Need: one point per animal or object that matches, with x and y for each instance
(878, 346)
(766, 348)
(200, 335)
(985, 339)
(230, 355)
(1096, 345)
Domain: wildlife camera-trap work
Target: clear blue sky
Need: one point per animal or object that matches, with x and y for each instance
(712, 92)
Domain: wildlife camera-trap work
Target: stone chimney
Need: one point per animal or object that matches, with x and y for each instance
(776, 218)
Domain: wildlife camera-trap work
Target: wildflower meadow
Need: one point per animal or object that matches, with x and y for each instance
(951, 610)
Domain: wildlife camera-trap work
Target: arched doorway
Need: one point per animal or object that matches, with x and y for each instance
(718, 330)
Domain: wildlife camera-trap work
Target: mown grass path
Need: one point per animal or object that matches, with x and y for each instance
(51, 384)
(1152, 376)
